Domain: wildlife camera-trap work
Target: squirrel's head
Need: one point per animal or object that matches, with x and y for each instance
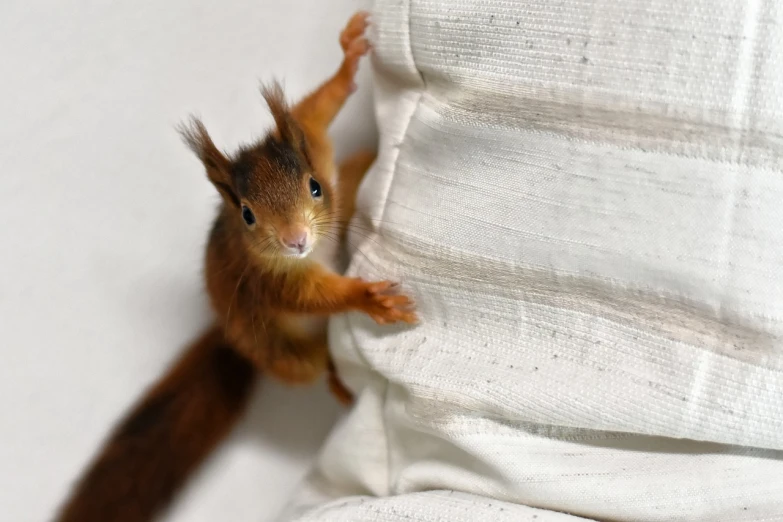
(271, 187)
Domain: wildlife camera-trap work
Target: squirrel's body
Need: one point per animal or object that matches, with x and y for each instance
(245, 291)
(273, 277)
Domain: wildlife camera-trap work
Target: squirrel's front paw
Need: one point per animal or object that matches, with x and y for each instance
(384, 304)
(354, 45)
(354, 32)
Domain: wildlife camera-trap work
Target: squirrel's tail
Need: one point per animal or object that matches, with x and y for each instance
(151, 453)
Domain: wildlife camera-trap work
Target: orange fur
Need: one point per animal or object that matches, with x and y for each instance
(270, 299)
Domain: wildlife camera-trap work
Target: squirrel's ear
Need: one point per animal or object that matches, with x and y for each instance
(286, 126)
(217, 164)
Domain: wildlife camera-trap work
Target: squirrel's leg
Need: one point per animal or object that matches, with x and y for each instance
(319, 291)
(351, 174)
(302, 361)
(317, 110)
(336, 386)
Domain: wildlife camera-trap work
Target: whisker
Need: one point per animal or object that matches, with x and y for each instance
(231, 301)
(355, 248)
(369, 235)
(253, 321)
(344, 240)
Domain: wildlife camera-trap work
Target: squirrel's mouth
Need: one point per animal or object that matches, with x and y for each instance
(297, 254)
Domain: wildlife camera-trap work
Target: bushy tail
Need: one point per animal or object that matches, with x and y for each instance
(151, 453)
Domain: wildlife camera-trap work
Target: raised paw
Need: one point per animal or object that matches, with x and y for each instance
(384, 304)
(354, 45)
(354, 29)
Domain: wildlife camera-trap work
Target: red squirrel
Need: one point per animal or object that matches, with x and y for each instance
(271, 283)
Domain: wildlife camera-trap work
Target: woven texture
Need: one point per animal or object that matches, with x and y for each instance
(585, 198)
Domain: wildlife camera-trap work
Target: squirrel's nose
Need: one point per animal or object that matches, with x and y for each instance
(295, 239)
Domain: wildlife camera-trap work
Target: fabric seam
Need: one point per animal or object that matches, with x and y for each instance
(415, 109)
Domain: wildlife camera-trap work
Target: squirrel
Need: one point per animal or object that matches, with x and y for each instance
(270, 278)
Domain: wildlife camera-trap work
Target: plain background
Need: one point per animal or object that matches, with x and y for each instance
(104, 217)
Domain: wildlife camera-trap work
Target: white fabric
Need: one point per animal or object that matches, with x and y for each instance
(585, 199)
(103, 218)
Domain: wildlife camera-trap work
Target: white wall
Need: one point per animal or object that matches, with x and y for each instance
(103, 217)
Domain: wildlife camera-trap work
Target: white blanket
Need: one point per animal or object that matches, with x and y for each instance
(585, 199)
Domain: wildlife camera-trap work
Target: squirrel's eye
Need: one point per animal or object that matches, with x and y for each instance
(315, 188)
(248, 216)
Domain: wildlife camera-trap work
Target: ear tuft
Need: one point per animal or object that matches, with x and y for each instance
(196, 137)
(275, 99)
(218, 166)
